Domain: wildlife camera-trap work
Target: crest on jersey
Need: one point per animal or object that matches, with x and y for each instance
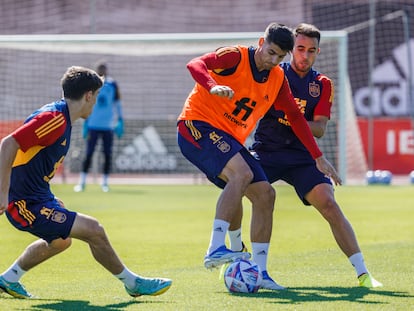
(314, 89)
(58, 217)
(223, 146)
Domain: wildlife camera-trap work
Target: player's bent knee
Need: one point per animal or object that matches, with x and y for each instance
(331, 211)
(61, 244)
(97, 230)
(247, 176)
(87, 228)
(262, 194)
(267, 192)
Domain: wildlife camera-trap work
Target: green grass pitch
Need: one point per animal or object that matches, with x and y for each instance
(164, 231)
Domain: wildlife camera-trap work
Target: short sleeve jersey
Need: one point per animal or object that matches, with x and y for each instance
(44, 142)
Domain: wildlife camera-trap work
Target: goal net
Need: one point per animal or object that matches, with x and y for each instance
(151, 73)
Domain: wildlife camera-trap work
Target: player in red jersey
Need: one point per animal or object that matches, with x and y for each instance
(29, 158)
(235, 86)
(284, 157)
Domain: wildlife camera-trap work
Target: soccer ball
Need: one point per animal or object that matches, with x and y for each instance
(379, 177)
(243, 276)
(371, 178)
(386, 177)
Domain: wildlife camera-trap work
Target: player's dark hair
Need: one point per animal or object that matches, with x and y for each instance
(280, 35)
(78, 80)
(308, 30)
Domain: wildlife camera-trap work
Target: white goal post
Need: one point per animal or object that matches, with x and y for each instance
(154, 82)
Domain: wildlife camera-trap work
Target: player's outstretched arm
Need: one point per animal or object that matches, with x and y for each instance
(326, 167)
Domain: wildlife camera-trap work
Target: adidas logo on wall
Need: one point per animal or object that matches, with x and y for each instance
(391, 89)
(146, 152)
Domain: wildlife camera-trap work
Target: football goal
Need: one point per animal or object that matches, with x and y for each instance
(154, 82)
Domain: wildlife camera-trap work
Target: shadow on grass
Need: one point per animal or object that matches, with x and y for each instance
(80, 305)
(327, 294)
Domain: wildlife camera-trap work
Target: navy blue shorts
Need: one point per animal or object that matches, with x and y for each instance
(296, 168)
(47, 220)
(209, 149)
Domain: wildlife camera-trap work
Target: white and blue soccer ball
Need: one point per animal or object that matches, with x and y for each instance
(379, 177)
(243, 276)
(371, 178)
(386, 177)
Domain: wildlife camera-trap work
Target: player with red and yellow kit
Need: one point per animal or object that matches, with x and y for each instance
(29, 158)
(235, 87)
(44, 141)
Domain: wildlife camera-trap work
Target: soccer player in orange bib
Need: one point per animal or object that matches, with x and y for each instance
(235, 87)
(283, 157)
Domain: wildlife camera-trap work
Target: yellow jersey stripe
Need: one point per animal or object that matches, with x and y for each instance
(50, 126)
(24, 157)
(194, 132)
(24, 212)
